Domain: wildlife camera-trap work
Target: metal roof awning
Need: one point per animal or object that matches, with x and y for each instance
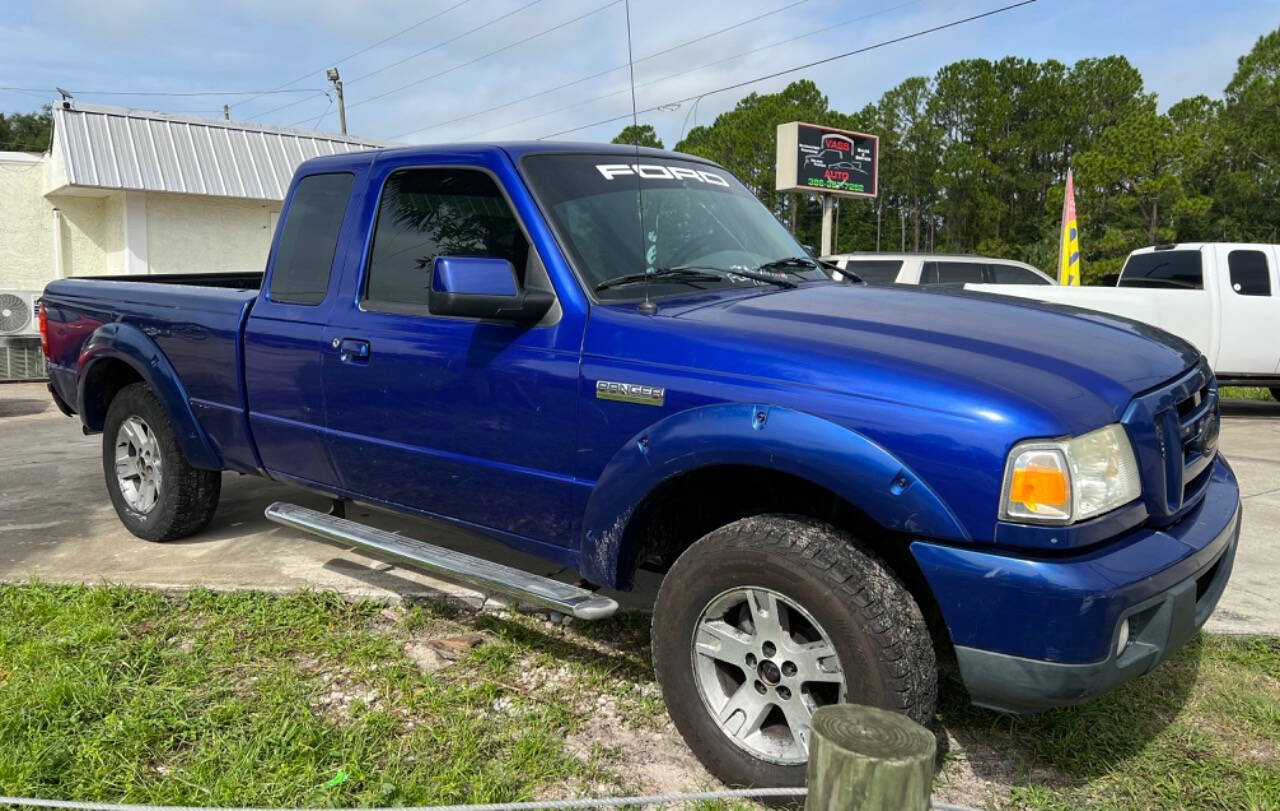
(118, 148)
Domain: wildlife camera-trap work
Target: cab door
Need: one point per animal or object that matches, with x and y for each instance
(285, 333)
(471, 420)
(1250, 309)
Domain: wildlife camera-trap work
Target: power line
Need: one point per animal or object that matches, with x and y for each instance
(438, 45)
(685, 72)
(507, 47)
(367, 48)
(453, 39)
(653, 55)
(805, 66)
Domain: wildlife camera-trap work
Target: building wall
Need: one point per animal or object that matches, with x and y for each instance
(26, 225)
(182, 233)
(192, 234)
(87, 244)
(113, 234)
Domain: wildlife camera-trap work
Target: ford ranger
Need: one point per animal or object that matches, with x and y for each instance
(618, 358)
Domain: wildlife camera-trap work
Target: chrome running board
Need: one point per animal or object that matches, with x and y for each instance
(451, 565)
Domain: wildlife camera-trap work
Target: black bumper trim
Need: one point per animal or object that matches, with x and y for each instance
(1158, 627)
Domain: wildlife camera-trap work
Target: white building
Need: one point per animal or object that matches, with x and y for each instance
(124, 192)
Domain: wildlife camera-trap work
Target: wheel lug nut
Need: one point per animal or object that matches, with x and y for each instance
(751, 660)
(784, 693)
(760, 688)
(788, 669)
(769, 649)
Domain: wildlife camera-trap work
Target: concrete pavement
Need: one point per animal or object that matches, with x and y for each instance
(57, 524)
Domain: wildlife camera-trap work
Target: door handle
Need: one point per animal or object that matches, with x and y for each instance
(352, 350)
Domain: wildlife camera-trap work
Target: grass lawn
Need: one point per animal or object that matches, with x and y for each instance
(128, 695)
(1245, 393)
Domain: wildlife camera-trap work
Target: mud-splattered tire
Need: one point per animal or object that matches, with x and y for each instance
(713, 613)
(138, 439)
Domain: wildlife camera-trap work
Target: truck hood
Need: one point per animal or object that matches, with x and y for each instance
(1072, 370)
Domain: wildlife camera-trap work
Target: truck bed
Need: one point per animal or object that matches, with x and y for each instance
(195, 319)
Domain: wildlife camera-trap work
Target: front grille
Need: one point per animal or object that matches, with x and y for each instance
(1175, 431)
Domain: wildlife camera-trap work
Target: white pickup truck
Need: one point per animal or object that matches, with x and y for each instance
(1222, 297)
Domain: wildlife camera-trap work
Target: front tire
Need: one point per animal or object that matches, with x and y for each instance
(764, 620)
(158, 495)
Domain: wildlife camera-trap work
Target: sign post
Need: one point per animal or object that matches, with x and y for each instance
(829, 162)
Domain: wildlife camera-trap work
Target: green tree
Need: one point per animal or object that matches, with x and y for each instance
(975, 159)
(639, 135)
(1250, 124)
(26, 132)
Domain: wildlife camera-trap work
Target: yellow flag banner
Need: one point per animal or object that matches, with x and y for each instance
(1069, 258)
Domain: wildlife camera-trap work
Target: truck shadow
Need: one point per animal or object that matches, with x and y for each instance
(23, 407)
(1070, 746)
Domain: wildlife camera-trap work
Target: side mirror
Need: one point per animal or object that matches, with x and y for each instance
(483, 287)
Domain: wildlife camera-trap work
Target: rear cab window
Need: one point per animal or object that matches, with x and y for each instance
(429, 212)
(1167, 270)
(874, 271)
(304, 258)
(1250, 275)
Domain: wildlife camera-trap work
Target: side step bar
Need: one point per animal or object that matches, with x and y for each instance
(451, 565)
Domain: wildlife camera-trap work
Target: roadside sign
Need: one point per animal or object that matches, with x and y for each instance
(826, 160)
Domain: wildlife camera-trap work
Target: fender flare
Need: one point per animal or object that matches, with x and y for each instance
(841, 460)
(130, 345)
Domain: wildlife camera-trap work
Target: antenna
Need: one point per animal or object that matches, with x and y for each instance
(647, 307)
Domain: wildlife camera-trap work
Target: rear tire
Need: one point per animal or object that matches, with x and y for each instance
(158, 495)
(820, 587)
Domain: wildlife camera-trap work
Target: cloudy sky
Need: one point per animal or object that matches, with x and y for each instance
(444, 70)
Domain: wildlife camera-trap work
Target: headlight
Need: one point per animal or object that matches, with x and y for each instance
(1062, 481)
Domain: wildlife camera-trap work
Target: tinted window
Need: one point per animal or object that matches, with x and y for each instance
(1012, 274)
(1174, 270)
(305, 255)
(425, 213)
(875, 271)
(951, 273)
(1249, 274)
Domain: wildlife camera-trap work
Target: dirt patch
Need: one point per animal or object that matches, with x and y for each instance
(983, 775)
(340, 689)
(655, 761)
(431, 654)
(340, 694)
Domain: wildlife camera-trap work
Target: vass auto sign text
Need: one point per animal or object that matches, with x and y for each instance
(825, 160)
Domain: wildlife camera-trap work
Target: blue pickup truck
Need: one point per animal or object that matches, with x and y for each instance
(617, 358)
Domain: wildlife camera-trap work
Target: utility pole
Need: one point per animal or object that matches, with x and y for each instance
(336, 81)
(226, 111)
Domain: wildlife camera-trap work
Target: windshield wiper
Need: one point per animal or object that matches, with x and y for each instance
(791, 263)
(676, 274)
(795, 264)
(691, 274)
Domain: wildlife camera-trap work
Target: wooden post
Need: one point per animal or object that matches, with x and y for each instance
(868, 758)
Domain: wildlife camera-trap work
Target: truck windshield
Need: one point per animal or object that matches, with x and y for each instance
(696, 217)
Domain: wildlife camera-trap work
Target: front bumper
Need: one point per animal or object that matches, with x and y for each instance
(1035, 634)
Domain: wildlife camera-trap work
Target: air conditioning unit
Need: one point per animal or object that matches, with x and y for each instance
(20, 355)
